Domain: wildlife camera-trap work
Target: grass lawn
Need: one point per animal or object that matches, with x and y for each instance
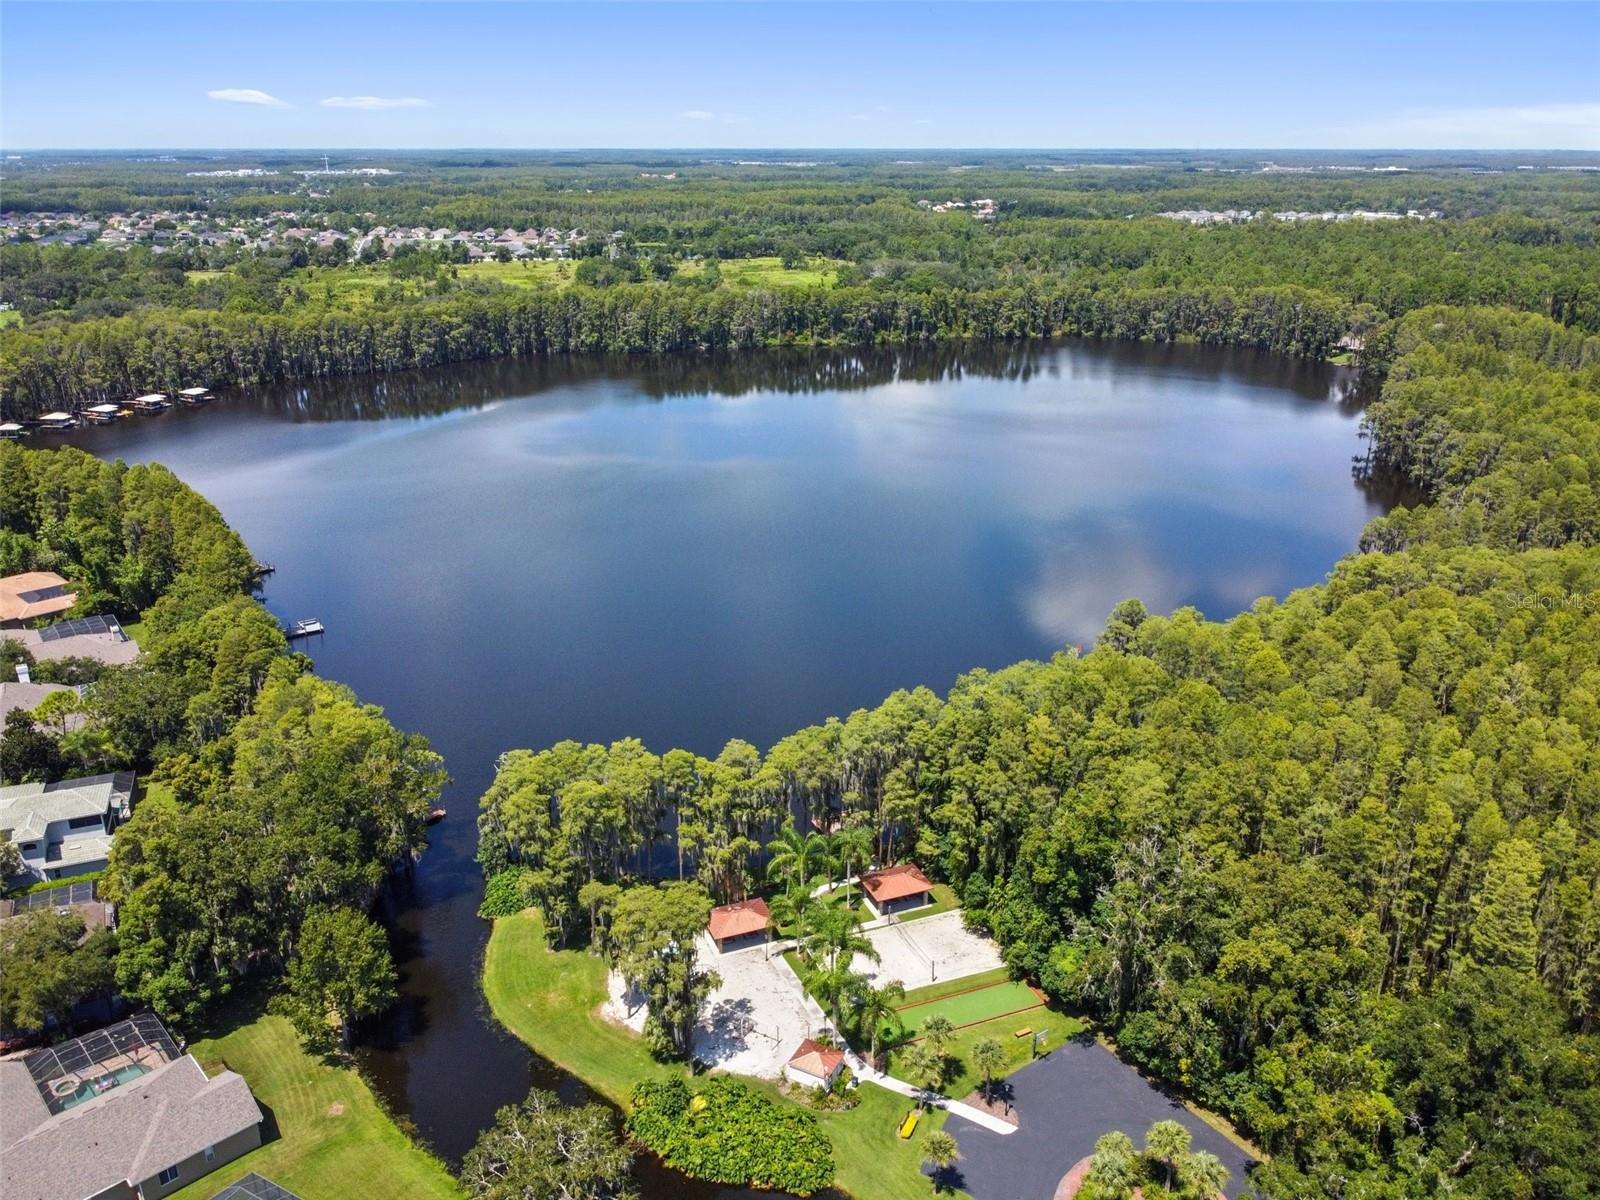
(355, 286)
(9, 316)
(333, 1139)
(944, 900)
(961, 1079)
(549, 999)
(152, 791)
(873, 1163)
(770, 272)
(966, 1007)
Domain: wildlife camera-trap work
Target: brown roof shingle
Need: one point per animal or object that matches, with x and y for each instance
(739, 919)
(896, 883)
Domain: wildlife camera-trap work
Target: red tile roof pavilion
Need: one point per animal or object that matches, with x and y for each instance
(739, 920)
(815, 1059)
(896, 883)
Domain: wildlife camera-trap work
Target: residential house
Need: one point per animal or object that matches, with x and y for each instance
(31, 595)
(64, 829)
(118, 1114)
(27, 697)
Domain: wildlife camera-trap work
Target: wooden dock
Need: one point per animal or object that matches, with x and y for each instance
(311, 627)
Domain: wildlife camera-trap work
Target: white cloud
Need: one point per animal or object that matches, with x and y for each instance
(373, 103)
(248, 96)
(1512, 127)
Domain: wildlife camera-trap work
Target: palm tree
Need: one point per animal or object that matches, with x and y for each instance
(875, 1007)
(989, 1057)
(793, 855)
(789, 908)
(832, 984)
(852, 850)
(939, 1151)
(937, 1033)
(1114, 1167)
(925, 1068)
(1203, 1174)
(1168, 1143)
(834, 936)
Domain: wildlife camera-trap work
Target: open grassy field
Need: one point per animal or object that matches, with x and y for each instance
(333, 1140)
(550, 1000)
(770, 272)
(356, 286)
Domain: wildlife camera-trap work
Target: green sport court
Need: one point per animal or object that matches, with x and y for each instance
(983, 1002)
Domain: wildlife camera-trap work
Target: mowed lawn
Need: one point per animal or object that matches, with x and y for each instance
(977, 1003)
(334, 1141)
(550, 999)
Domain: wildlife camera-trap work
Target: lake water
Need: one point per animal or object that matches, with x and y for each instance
(691, 550)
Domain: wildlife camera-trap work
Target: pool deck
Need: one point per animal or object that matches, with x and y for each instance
(1064, 1102)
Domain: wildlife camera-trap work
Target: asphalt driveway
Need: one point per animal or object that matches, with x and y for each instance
(1064, 1102)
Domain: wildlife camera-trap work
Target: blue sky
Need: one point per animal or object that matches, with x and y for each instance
(372, 74)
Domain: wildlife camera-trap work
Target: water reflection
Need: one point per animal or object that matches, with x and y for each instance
(699, 548)
(792, 371)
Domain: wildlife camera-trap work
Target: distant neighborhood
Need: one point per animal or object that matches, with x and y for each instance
(165, 229)
(1234, 216)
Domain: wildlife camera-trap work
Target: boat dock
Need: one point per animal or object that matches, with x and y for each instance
(310, 627)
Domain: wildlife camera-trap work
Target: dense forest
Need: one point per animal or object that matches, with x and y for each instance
(1070, 248)
(274, 804)
(1331, 867)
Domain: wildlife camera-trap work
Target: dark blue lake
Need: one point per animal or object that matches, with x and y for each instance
(698, 549)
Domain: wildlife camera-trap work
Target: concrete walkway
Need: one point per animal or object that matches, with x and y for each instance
(955, 1108)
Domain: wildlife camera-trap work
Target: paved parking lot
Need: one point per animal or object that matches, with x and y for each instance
(1063, 1103)
(932, 950)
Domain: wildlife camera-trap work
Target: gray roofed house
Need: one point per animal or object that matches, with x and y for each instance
(65, 828)
(139, 1140)
(27, 696)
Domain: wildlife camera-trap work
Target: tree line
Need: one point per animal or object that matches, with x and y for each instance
(274, 803)
(88, 363)
(1330, 866)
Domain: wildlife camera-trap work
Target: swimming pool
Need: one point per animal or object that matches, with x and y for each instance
(91, 1088)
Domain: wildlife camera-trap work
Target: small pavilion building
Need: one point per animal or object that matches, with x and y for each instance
(814, 1065)
(897, 889)
(739, 926)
